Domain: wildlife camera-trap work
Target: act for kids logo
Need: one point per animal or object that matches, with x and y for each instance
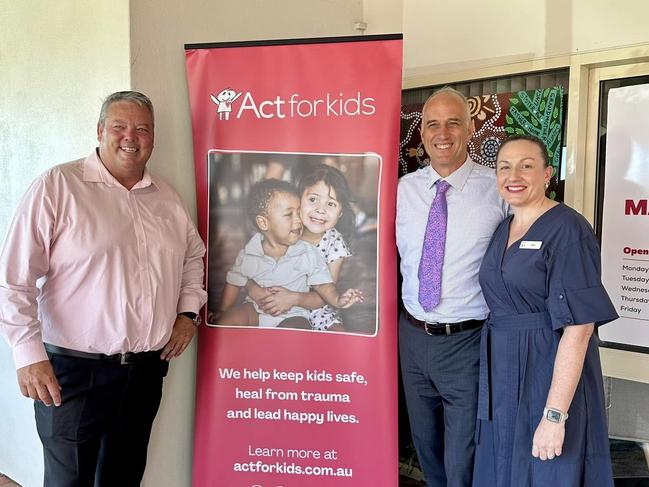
(294, 105)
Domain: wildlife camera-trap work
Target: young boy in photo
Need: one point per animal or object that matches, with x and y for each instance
(275, 257)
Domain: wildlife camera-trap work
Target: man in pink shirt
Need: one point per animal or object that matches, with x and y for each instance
(101, 283)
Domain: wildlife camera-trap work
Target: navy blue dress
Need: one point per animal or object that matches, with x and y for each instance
(533, 292)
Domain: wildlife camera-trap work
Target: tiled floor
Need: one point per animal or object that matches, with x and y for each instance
(629, 466)
(403, 482)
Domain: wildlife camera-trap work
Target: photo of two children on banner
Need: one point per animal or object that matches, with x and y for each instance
(291, 245)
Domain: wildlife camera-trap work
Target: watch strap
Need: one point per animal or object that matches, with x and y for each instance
(196, 318)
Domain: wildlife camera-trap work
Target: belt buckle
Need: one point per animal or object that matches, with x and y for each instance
(432, 325)
(126, 358)
(448, 328)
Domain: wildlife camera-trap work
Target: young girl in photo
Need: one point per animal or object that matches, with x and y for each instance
(328, 223)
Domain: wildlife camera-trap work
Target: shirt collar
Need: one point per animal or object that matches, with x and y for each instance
(94, 171)
(254, 246)
(457, 179)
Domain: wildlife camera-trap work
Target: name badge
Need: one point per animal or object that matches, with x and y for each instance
(530, 244)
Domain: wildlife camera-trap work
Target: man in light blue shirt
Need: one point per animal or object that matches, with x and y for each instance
(439, 347)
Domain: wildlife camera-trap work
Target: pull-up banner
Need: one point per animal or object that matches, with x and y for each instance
(295, 147)
(625, 220)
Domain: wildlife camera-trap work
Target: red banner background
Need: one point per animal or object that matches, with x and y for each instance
(355, 444)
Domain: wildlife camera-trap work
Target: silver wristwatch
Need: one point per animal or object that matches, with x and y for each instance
(554, 415)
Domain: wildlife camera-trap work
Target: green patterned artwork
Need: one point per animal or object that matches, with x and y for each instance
(540, 114)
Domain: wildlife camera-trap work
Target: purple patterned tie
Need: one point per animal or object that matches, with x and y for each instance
(432, 252)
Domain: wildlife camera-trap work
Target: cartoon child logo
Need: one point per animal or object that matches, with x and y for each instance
(224, 102)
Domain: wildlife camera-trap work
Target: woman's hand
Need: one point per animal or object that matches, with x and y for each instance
(568, 363)
(548, 440)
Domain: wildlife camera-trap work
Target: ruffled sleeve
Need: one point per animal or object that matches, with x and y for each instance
(333, 246)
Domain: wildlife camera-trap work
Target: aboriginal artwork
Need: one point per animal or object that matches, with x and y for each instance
(536, 112)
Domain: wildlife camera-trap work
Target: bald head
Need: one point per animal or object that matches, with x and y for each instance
(453, 92)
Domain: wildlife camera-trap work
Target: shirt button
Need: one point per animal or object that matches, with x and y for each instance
(560, 296)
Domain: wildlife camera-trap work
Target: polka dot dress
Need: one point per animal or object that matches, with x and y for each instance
(333, 247)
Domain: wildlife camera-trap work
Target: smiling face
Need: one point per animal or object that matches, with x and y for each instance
(281, 223)
(445, 130)
(521, 173)
(126, 140)
(226, 95)
(319, 208)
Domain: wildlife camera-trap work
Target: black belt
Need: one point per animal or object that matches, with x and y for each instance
(435, 328)
(126, 358)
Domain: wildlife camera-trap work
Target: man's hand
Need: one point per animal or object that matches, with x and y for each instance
(182, 333)
(278, 301)
(38, 381)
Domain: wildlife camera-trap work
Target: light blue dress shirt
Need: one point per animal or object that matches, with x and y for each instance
(474, 211)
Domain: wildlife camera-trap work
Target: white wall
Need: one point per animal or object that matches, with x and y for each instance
(383, 16)
(465, 34)
(440, 36)
(57, 61)
(603, 24)
(158, 69)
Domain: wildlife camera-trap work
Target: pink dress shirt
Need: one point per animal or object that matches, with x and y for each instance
(91, 266)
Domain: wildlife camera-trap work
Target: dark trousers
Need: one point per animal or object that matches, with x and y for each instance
(100, 433)
(440, 380)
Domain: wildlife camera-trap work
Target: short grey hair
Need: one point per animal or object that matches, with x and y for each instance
(452, 91)
(129, 96)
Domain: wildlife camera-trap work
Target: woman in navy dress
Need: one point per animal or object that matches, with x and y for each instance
(542, 421)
